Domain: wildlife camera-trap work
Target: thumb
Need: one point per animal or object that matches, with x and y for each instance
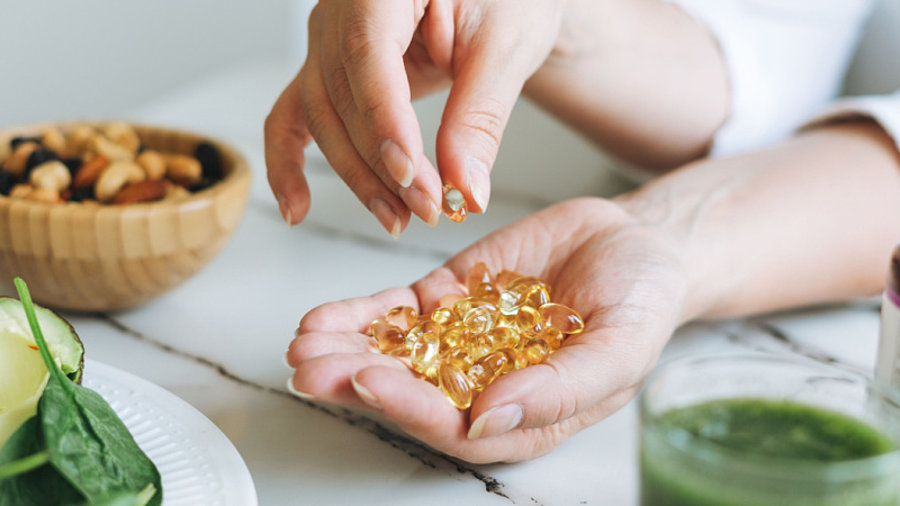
(589, 379)
(481, 99)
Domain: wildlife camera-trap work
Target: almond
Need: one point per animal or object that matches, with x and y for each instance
(143, 191)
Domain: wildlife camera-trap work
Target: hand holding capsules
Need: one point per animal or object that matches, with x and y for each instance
(367, 60)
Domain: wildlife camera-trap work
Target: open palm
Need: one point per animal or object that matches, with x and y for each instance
(619, 274)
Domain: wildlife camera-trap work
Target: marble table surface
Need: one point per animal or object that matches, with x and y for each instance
(217, 341)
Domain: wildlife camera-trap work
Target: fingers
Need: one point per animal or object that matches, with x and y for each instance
(363, 74)
(355, 315)
(285, 137)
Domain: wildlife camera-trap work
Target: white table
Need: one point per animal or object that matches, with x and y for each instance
(218, 340)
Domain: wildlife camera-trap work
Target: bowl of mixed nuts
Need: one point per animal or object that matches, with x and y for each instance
(100, 216)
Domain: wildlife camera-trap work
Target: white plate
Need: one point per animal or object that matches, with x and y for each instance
(197, 463)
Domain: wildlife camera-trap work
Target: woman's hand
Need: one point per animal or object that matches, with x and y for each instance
(367, 59)
(624, 278)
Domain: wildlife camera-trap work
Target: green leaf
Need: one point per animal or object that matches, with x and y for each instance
(88, 443)
(39, 486)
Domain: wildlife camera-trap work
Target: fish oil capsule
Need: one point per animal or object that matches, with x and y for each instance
(431, 374)
(458, 357)
(424, 352)
(552, 336)
(528, 283)
(537, 296)
(479, 376)
(479, 345)
(527, 321)
(442, 315)
(420, 330)
(389, 338)
(454, 204)
(504, 278)
(561, 317)
(487, 368)
(478, 275)
(455, 385)
(463, 306)
(453, 335)
(487, 291)
(510, 355)
(402, 316)
(503, 337)
(520, 360)
(479, 320)
(536, 351)
(511, 301)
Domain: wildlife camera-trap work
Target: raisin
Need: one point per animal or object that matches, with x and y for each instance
(83, 193)
(73, 164)
(211, 161)
(7, 181)
(38, 157)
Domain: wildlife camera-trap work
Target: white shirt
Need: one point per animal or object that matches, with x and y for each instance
(796, 62)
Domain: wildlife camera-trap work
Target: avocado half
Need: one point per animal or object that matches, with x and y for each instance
(23, 374)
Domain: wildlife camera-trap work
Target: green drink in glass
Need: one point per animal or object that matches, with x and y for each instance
(758, 429)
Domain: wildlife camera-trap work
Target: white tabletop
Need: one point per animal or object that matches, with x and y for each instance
(218, 340)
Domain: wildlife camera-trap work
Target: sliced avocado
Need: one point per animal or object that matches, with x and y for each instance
(23, 374)
(64, 343)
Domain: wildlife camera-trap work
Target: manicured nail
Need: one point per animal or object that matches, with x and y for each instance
(365, 394)
(496, 421)
(419, 203)
(284, 209)
(386, 216)
(298, 393)
(479, 180)
(398, 165)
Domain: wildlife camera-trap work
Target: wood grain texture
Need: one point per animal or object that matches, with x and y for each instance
(99, 258)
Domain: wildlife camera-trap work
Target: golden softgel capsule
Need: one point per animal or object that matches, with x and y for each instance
(503, 324)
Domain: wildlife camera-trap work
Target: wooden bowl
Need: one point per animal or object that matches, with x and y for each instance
(105, 257)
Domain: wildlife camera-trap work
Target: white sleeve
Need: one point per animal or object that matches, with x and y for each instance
(786, 60)
(883, 109)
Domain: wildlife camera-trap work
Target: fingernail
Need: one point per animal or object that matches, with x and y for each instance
(386, 216)
(298, 393)
(398, 165)
(479, 180)
(420, 204)
(284, 209)
(496, 421)
(365, 394)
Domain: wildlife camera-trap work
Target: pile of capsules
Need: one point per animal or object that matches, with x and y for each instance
(506, 323)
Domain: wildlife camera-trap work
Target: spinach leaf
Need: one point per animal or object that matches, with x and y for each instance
(38, 486)
(87, 442)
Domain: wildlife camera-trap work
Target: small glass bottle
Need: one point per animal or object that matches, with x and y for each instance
(887, 368)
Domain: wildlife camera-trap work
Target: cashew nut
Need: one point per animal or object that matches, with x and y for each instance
(153, 164)
(17, 162)
(109, 149)
(78, 139)
(53, 140)
(183, 169)
(52, 175)
(123, 135)
(115, 177)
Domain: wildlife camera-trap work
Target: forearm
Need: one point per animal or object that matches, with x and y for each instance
(638, 77)
(810, 221)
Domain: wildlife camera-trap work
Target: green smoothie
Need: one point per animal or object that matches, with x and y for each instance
(747, 452)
